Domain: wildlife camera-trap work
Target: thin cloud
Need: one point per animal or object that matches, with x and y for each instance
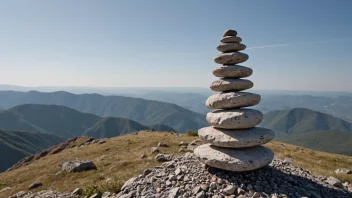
(299, 43)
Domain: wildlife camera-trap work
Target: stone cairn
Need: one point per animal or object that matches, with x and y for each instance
(233, 142)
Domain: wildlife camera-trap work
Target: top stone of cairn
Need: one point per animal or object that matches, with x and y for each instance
(230, 33)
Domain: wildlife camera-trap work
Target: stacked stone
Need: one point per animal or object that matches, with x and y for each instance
(233, 141)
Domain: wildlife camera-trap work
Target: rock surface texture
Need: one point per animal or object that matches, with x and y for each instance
(185, 177)
(233, 140)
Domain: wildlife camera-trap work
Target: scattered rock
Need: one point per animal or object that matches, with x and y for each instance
(155, 150)
(279, 180)
(128, 183)
(334, 182)
(147, 171)
(5, 189)
(43, 194)
(343, 171)
(163, 157)
(35, 185)
(174, 193)
(101, 141)
(78, 166)
(181, 150)
(183, 144)
(96, 195)
(77, 191)
(230, 189)
(288, 160)
(143, 156)
(162, 144)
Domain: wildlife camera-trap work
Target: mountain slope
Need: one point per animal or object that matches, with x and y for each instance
(299, 120)
(119, 159)
(67, 122)
(336, 105)
(161, 127)
(327, 141)
(55, 119)
(147, 112)
(110, 127)
(15, 145)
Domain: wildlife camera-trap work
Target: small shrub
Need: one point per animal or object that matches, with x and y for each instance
(193, 133)
(112, 185)
(91, 190)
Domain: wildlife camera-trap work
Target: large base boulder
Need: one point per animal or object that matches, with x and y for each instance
(239, 160)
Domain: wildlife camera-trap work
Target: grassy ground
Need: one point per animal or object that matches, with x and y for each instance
(120, 159)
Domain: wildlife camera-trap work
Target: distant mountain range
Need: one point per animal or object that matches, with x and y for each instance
(15, 145)
(327, 141)
(67, 122)
(300, 120)
(29, 128)
(146, 112)
(311, 129)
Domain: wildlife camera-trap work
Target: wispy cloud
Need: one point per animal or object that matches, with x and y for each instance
(300, 43)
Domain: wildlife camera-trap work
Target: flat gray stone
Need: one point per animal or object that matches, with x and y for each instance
(238, 160)
(231, 84)
(232, 100)
(232, 71)
(235, 118)
(78, 166)
(230, 47)
(236, 138)
(231, 39)
(231, 58)
(230, 33)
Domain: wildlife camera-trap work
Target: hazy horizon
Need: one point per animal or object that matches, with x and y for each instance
(109, 44)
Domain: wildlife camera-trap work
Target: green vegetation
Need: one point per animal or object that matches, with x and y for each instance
(119, 159)
(146, 112)
(15, 145)
(192, 133)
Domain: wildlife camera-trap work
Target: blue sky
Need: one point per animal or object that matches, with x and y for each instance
(292, 45)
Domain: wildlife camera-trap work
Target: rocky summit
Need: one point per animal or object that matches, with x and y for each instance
(187, 177)
(233, 142)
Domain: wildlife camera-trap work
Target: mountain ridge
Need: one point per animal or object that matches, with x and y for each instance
(146, 112)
